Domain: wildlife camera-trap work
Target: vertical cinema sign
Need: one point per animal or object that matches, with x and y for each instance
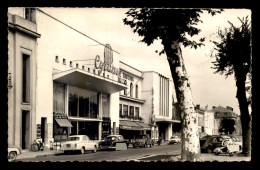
(108, 60)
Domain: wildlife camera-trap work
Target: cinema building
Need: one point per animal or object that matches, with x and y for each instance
(63, 88)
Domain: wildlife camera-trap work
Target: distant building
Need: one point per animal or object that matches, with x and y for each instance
(226, 120)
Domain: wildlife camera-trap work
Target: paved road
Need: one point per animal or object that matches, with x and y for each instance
(126, 155)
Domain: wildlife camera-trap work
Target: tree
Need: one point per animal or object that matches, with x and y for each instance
(233, 56)
(174, 27)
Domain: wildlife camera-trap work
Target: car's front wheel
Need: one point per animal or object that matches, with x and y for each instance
(95, 149)
(12, 156)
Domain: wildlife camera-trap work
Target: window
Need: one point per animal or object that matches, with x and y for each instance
(132, 111)
(64, 61)
(83, 103)
(26, 78)
(88, 69)
(56, 59)
(120, 109)
(77, 65)
(125, 110)
(131, 89)
(83, 67)
(136, 91)
(30, 14)
(137, 112)
(125, 92)
(70, 63)
(58, 97)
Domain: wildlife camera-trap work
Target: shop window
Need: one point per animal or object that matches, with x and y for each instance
(125, 107)
(131, 111)
(105, 105)
(26, 78)
(83, 103)
(131, 89)
(58, 97)
(64, 61)
(137, 114)
(136, 91)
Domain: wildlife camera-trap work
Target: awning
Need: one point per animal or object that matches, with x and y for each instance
(144, 126)
(90, 81)
(63, 122)
(131, 125)
(165, 120)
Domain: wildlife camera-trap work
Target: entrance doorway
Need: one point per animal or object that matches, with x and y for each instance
(25, 129)
(43, 128)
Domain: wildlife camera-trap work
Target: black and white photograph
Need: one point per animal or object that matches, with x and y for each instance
(92, 84)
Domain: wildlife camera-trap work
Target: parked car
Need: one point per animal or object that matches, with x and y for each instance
(175, 139)
(79, 143)
(212, 142)
(13, 152)
(142, 141)
(111, 141)
(237, 141)
(203, 140)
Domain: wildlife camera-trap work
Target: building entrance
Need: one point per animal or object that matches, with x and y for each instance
(43, 128)
(25, 129)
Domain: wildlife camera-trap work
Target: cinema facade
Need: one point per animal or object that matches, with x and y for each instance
(58, 89)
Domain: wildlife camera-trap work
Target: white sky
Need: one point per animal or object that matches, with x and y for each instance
(106, 26)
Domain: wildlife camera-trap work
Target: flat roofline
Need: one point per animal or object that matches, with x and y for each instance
(158, 74)
(130, 66)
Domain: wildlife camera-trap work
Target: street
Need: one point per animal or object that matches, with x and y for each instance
(106, 155)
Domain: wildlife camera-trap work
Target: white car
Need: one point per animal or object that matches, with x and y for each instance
(174, 139)
(13, 152)
(79, 143)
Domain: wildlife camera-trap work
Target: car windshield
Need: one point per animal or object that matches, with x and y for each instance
(73, 139)
(111, 138)
(140, 137)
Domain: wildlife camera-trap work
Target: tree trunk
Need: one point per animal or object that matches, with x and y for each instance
(245, 117)
(189, 119)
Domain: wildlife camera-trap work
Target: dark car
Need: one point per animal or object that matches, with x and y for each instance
(212, 142)
(111, 141)
(142, 141)
(203, 140)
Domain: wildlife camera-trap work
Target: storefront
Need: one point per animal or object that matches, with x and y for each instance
(85, 98)
(61, 126)
(129, 129)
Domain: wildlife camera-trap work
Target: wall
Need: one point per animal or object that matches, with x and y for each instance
(19, 43)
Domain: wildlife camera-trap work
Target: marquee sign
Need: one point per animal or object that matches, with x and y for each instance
(106, 65)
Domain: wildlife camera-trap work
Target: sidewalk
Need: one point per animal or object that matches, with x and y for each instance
(29, 154)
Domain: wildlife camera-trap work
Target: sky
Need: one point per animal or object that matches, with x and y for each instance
(106, 26)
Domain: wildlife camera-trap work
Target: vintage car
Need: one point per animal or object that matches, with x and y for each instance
(142, 141)
(111, 141)
(175, 139)
(229, 146)
(13, 152)
(203, 139)
(79, 143)
(213, 142)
